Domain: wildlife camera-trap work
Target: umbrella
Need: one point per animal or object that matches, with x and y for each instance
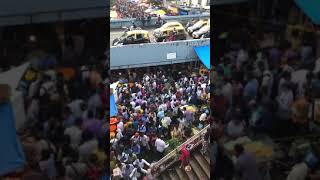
(189, 108)
(159, 12)
(113, 121)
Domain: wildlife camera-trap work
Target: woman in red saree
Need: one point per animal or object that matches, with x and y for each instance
(184, 157)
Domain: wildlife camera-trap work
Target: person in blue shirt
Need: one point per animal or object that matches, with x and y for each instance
(251, 88)
(142, 128)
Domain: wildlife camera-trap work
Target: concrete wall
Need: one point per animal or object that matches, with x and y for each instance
(142, 55)
(14, 12)
(118, 23)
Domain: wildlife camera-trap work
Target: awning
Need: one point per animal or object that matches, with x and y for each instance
(113, 106)
(14, 75)
(311, 9)
(12, 156)
(203, 53)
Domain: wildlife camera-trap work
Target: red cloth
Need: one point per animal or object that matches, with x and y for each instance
(184, 157)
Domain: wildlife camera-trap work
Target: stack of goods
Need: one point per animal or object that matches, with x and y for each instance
(189, 108)
(113, 127)
(261, 150)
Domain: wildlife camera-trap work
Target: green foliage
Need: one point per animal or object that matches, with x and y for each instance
(173, 143)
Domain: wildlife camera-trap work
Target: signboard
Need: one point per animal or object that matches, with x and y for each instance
(171, 56)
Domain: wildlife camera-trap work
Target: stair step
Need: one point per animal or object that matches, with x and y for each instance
(202, 162)
(191, 175)
(173, 174)
(181, 173)
(164, 176)
(197, 169)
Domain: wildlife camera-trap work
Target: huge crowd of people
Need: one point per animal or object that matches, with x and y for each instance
(152, 108)
(265, 83)
(130, 9)
(65, 116)
(64, 136)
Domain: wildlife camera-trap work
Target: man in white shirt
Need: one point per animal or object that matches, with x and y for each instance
(298, 172)
(94, 102)
(120, 125)
(203, 117)
(160, 146)
(141, 163)
(166, 122)
(75, 107)
(133, 103)
(87, 148)
(74, 132)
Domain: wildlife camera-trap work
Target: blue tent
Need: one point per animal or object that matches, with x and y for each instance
(11, 154)
(203, 53)
(311, 8)
(113, 106)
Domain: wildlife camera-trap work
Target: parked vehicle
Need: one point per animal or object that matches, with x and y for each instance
(197, 34)
(197, 26)
(205, 35)
(132, 37)
(164, 31)
(190, 23)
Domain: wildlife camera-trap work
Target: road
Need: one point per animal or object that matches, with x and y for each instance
(115, 33)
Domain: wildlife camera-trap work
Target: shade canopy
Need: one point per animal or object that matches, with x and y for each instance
(113, 106)
(311, 9)
(12, 156)
(203, 53)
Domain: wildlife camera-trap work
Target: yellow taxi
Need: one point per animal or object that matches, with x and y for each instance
(132, 37)
(164, 31)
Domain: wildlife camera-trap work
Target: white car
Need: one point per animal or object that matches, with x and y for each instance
(200, 32)
(197, 26)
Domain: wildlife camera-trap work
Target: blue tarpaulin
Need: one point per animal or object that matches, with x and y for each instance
(311, 8)
(11, 154)
(113, 106)
(203, 53)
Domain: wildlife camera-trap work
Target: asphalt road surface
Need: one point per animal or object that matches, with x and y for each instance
(115, 33)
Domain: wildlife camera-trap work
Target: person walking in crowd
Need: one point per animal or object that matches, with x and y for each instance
(153, 107)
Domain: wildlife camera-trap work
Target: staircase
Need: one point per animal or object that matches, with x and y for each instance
(199, 163)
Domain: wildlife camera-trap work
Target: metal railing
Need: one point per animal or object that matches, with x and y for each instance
(171, 157)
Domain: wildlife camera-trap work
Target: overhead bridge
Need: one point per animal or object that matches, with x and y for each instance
(154, 54)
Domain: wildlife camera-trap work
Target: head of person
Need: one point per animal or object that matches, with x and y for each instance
(238, 150)
(90, 114)
(78, 122)
(287, 75)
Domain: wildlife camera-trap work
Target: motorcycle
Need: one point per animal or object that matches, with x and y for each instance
(160, 23)
(131, 28)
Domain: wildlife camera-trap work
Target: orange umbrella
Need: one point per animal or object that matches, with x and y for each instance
(68, 73)
(113, 121)
(113, 128)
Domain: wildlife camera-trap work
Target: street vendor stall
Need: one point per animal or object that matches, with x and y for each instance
(263, 151)
(113, 127)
